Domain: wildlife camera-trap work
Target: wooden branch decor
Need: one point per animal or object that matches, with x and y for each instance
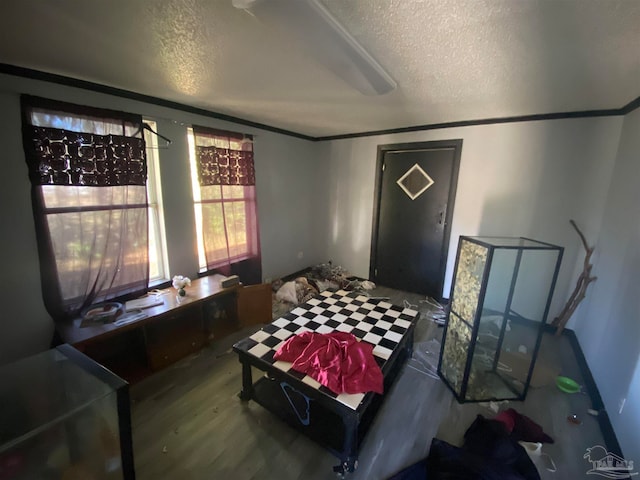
(580, 291)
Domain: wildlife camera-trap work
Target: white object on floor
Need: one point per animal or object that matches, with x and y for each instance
(425, 358)
(534, 450)
(368, 285)
(493, 405)
(549, 464)
(287, 293)
(408, 304)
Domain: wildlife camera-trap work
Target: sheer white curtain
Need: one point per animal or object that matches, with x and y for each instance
(226, 203)
(88, 174)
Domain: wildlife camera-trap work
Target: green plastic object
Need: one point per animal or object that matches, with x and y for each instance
(567, 385)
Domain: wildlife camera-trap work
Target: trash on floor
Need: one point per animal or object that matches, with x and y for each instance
(425, 358)
(490, 450)
(567, 385)
(437, 313)
(321, 277)
(574, 419)
(494, 406)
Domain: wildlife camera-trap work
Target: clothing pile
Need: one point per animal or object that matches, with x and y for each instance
(491, 451)
(333, 277)
(319, 278)
(295, 291)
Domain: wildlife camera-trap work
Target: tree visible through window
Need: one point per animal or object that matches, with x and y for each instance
(88, 171)
(223, 180)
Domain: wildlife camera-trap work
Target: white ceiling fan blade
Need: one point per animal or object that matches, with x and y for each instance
(311, 24)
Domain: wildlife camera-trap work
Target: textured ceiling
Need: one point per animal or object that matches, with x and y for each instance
(453, 60)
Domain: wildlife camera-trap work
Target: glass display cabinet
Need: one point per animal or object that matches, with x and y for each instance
(499, 302)
(64, 417)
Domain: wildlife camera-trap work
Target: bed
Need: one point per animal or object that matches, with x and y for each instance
(337, 422)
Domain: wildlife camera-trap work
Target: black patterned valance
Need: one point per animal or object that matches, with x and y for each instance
(225, 166)
(63, 157)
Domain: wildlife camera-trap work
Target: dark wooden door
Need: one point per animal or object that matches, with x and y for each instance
(416, 190)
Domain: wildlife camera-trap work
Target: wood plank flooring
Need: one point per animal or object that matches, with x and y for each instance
(188, 423)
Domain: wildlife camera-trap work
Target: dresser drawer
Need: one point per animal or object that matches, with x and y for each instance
(161, 355)
(171, 328)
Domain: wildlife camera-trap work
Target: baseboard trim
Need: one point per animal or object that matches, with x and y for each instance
(608, 433)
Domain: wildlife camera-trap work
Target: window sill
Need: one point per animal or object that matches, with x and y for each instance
(158, 283)
(204, 270)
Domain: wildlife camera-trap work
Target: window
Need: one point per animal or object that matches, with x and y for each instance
(88, 171)
(158, 261)
(223, 181)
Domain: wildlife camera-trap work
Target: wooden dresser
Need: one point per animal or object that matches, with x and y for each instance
(172, 330)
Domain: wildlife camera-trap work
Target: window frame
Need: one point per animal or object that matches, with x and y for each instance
(198, 202)
(156, 209)
(155, 212)
(81, 264)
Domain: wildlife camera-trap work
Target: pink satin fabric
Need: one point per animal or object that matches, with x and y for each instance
(337, 360)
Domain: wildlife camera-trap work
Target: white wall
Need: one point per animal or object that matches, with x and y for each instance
(529, 179)
(609, 329)
(290, 180)
(24, 324)
(531, 290)
(516, 179)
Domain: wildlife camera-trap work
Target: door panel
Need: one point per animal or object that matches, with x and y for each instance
(412, 234)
